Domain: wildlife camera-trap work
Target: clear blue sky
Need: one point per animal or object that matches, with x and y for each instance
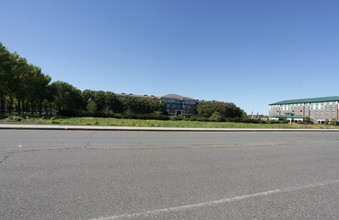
(249, 52)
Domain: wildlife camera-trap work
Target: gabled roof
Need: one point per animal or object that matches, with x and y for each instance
(307, 100)
(189, 99)
(173, 96)
(177, 97)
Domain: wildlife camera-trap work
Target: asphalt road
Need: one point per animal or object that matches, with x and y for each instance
(168, 175)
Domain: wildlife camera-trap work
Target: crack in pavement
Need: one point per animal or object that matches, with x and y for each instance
(89, 140)
(88, 147)
(3, 159)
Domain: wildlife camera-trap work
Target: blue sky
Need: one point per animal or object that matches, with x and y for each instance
(249, 52)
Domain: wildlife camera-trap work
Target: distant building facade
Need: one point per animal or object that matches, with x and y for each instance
(175, 104)
(317, 109)
(180, 105)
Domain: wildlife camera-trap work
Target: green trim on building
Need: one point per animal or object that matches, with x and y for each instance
(320, 99)
(288, 116)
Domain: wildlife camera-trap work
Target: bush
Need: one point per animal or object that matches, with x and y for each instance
(177, 118)
(334, 121)
(216, 116)
(252, 120)
(17, 118)
(236, 119)
(275, 122)
(69, 113)
(198, 118)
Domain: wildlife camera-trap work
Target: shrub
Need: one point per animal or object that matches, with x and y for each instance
(275, 122)
(17, 118)
(252, 120)
(197, 118)
(334, 121)
(177, 118)
(307, 120)
(216, 116)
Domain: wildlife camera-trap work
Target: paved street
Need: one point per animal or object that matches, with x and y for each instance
(168, 175)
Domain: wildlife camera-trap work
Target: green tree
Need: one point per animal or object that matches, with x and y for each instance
(19, 79)
(207, 108)
(230, 110)
(99, 97)
(67, 98)
(21, 84)
(113, 102)
(143, 105)
(37, 88)
(87, 95)
(130, 105)
(5, 75)
(92, 107)
(226, 110)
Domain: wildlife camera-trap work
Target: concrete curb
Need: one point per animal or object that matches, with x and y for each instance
(117, 128)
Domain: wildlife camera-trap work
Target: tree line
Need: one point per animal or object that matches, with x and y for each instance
(24, 88)
(21, 84)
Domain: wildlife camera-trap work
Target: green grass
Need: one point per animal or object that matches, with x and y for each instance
(150, 123)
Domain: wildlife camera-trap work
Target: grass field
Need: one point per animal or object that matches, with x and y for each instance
(150, 123)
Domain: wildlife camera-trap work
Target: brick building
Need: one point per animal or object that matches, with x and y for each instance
(179, 105)
(317, 109)
(175, 104)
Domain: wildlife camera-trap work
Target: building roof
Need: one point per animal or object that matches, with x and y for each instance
(320, 99)
(173, 96)
(169, 96)
(136, 96)
(177, 97)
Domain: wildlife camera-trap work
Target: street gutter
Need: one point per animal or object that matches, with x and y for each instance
(167, 129)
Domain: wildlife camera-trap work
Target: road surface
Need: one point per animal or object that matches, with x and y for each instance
(168, 175)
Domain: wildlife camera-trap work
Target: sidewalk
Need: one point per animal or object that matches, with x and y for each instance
(117, 128)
